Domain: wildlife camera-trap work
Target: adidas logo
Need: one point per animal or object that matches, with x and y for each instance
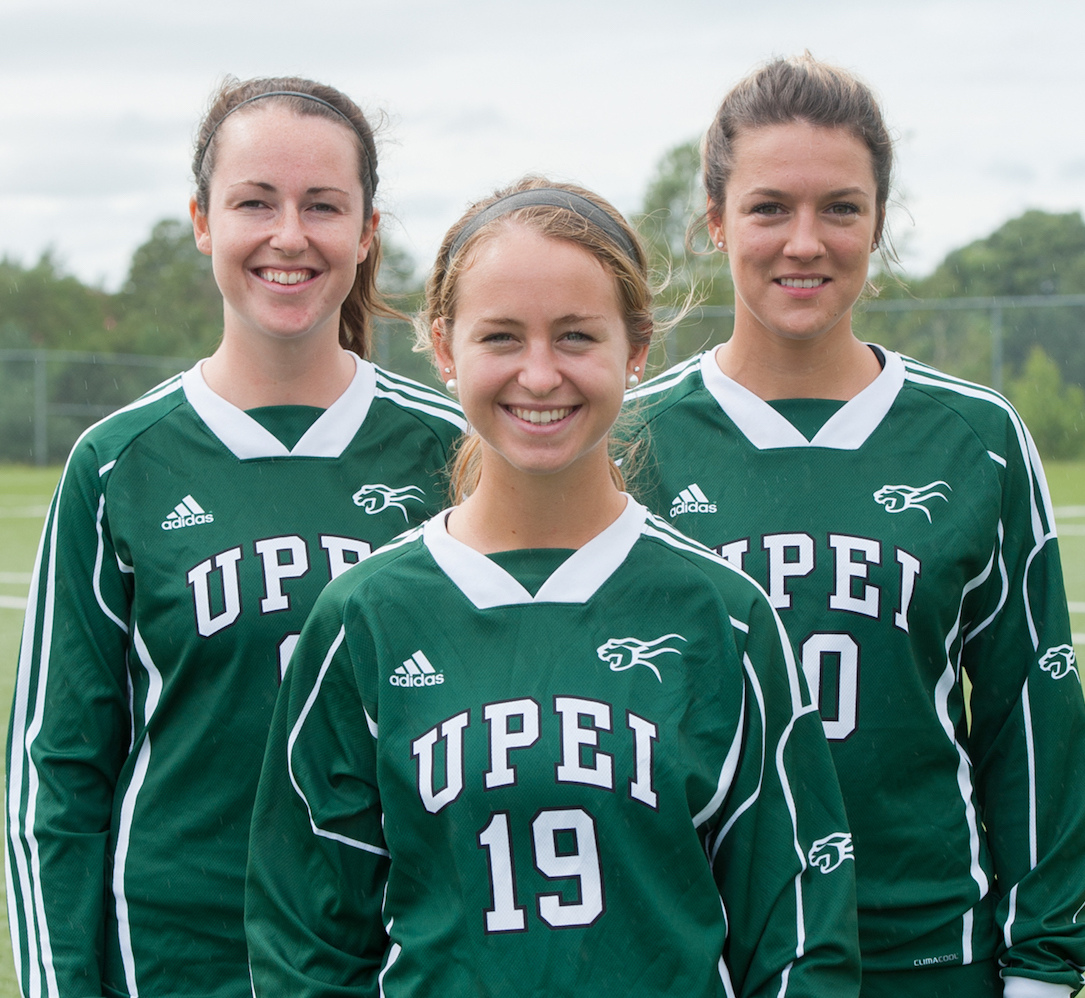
(187, 513)
(691, 500)
(416, 671)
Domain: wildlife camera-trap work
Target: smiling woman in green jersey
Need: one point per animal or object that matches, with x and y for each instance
(544, 744)
(900, 522)
(189, 537)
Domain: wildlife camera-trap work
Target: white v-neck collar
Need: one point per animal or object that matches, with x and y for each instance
(847, 429)
(486, 584)
(246, 438)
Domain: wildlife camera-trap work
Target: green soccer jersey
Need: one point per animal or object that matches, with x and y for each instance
(907, 544)
(184, 548)
(617, 786)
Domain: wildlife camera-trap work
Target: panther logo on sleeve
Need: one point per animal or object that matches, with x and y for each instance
(1060, 661)
(624, 653)
(898, 498)
(830, 852)
(377, 498)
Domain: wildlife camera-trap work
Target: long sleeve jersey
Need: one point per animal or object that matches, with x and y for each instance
(184, 547)
(906, 539)
(612, 784)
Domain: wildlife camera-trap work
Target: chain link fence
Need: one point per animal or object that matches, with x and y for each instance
(48, 397)
(986, 340)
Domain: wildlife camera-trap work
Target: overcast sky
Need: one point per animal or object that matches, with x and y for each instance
(102, 99)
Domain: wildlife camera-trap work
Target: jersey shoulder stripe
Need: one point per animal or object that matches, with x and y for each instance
(356, 576)
(997, 424)
(673, 391)
(110, 436)
(415, 396)
(970, 397)
(669, 386)
(741, 595)
(737, 581)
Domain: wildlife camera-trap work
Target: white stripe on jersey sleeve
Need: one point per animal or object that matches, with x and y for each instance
(393, 954)
(412, 395)
(1026, 987)
(296, 730)
(1030, 752)
(156, 394)
(27, 719)
(946, 683)
(668, 379)
(160, 391)
(784, 978)
(128, 806)
(99, 557)
(1004, 592)
(759, 697)
(1042, 512)
(24, 731)
(1011, 917)
(400, 539)
(725, 976)
(390, 381)
(727, 776)
(789, 797)
(656, 527)
(968, 923)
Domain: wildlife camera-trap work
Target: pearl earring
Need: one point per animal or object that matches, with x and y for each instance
(632, 381)
(719, 244)
(450, 385)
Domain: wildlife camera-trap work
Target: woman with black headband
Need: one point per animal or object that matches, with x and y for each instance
(543, 744)
(188, 539)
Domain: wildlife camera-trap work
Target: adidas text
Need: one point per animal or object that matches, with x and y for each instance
(188, 521)
(434, 680)
(692, 507)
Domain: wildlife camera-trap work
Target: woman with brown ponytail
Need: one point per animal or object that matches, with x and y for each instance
(900, 521)
(189, 536)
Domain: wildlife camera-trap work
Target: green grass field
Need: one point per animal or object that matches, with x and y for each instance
(25, 492)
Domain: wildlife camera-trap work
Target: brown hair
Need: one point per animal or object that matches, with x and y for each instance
(797, 89)
(630, 276)
(364, 300)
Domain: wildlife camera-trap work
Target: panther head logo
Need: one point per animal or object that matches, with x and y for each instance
(830, 852)
(624, 653)
(1060, 661)
(898, 498)
(377, 498)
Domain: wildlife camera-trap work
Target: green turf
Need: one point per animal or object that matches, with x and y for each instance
(25, 492)
(24, 495)
(1067, 482)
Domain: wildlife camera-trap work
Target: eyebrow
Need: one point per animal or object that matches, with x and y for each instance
(264, 186)
(564, 319)
(579, 318)
(772, 192)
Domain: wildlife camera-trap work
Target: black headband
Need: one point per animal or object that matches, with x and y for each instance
(552, 197)
(295, 93)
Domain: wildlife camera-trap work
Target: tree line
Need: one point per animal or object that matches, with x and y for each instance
(169, 306)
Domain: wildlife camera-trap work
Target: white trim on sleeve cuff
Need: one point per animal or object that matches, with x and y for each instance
(1025, 987)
